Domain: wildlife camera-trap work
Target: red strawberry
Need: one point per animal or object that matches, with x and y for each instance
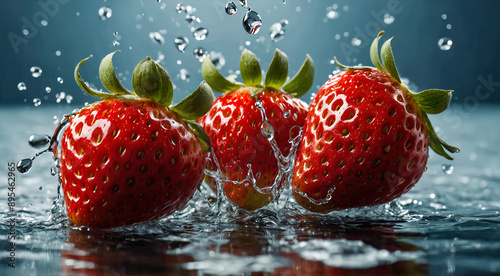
(235, 125)
(129, 158)
(366, 137)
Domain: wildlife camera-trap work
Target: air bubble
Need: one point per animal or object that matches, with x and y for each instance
(181, 43)
(445, 43)
(447, 168)
(231, 8)
(36, 71)
(21, 86)
(252, 22)
(105, 13)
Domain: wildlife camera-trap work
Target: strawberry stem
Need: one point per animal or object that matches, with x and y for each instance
(85, 87)
(108, 76)
(151, 81)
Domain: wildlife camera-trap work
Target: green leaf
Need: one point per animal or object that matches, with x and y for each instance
(216, 81)
(108, 76)
(303, 80)
(196, 104)
(278, 70)
(436, 143)
(374, 53)
(433, 101)
(151, 81)
(202, 135)
(250, 69)
(85, 87)
(388, 60)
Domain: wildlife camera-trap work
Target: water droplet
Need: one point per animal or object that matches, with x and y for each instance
(200, 33)
(191, 18)
(60, 80)
(116, 43)
(231, 8)
(24, 165)
(44, 23)
(356, 41)
(21, 86)
(190, 9)
(156, 37)
(38, 140)
(26, 32)
(286, 114)
(447, 168)
(58, 53)
(36, 71)
(252, 22)
(69, 98)
(337, 37)
(448, 26)
(277, 30)
(105, 13)
(48, 89)
(267, 130)
(53, 170)
(37, 102)
(243, 3)
(332, 14)
(444, 16)
(159, 1)
(40, 188)
(200, 54)
(180, 8)
(183, 75)
(181, 43)
(217, 59)
(445, 43)
(388, 19)
(55, 120)
(77, 13)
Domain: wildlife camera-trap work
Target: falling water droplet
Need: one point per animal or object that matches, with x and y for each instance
(243, 3)
(356, 41)
(181, 43)
(24, 165)
(48, 89)
(40, 188)
(277, 30)
(447, 168)
(183, 75)
(21, 86)
(156, 37)
(445, 43)
(388, 18)
(60, 80)
(37, 102)
(105, 13)
(36, 71)
(217, 59)
(200, 54)
(180, 8)
(38, 140)
(332, 14)
(252, 22)
(69, 98)
(58, 53)
(53, 170)
(200, 33)
(116, 43)
(231, 8)
(191, 18)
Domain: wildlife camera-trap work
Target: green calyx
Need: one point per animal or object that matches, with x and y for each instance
(431, 101)
(151, 81)
(251, 73)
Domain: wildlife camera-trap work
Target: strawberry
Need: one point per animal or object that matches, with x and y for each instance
(244, 122)
(131, 158)
(366, 137)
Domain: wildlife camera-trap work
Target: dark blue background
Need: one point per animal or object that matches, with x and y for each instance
(470, 67)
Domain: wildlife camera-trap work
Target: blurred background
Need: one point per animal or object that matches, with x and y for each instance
(449, 44)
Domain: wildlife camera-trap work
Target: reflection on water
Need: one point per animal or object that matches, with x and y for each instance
(448, 224)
